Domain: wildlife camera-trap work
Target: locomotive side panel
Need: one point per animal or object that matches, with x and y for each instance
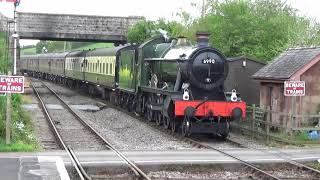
(127, 70)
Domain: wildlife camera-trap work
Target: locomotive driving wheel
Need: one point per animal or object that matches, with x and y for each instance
(150, 112)
(173, 126)
(186, 127)
(159, 118)
(166, 122)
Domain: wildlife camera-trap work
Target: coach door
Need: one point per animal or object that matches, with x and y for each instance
(84, 65)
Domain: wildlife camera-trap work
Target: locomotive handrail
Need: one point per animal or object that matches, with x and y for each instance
(165, 59)
(159, 90)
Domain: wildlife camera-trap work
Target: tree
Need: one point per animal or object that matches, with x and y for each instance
(40, 45)
(257, 28)
(141, 31)
(4, 54)
(146, 29)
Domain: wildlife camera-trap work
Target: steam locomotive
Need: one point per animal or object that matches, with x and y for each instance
(178, 85)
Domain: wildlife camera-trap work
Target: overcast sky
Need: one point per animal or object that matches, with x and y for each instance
(151, 9)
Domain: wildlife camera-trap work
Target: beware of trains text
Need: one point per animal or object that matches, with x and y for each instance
(11, 84)
(294, 88)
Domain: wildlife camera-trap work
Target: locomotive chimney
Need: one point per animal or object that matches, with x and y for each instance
(203, 39)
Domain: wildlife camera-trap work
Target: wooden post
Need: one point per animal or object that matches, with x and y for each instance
(8, 117)
(293, 114)
(267, 122)
(253, 119)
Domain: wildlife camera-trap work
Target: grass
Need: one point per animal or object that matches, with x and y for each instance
(28, 51)
(276, 137)
(22, 136)
(32, 51)
(314, 165)
(17, 147)
(95, 46)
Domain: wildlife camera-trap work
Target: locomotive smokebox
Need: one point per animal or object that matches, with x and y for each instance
(203, 39)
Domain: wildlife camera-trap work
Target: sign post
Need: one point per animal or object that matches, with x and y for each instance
(8, 119)
(9, 106)
(10, 84)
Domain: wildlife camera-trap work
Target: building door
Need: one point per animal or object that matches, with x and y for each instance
(270, 100)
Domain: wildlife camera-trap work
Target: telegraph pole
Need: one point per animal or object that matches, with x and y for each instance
(9, 100)
(15, 38)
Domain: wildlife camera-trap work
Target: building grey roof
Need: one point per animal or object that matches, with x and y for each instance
(287, 64)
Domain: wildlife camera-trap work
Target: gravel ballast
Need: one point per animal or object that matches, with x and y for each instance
(124, 131)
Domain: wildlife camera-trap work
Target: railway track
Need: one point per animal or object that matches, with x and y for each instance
(255, 171)
(68, 144)
(293, 163)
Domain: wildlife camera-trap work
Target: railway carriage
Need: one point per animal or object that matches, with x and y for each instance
(74, 68)
(57, 64)
(30, 63)
(178, 85)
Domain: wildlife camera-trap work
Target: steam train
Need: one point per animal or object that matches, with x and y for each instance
(178, 85)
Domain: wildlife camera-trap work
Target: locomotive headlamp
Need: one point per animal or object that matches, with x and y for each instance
(185, 95)
(185, 87)
(234, 96)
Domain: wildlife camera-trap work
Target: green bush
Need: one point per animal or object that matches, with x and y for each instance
(22, 137)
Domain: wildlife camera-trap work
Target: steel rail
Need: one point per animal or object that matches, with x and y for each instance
(252, 166)
(196, 143)
(137, 171)
(191, 141)
(277, 153)
(82, 174)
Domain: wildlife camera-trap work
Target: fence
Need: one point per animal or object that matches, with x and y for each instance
(288, 128)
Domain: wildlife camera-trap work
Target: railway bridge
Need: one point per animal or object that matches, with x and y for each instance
(68, 27)
(74, 27)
